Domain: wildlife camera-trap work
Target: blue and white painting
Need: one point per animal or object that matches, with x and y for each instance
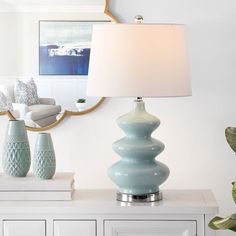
(64, 47)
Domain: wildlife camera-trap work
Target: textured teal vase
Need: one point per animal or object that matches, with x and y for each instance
(138, 173)
(44, 161)
(16, 150)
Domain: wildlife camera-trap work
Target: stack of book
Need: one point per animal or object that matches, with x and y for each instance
(30, 188)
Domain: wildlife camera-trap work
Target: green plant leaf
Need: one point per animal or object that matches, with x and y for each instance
(212, 223)
(230, 134)
(223, 223)
(234, 191)
(81, 100)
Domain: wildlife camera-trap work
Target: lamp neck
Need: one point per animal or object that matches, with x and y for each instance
(139, 104)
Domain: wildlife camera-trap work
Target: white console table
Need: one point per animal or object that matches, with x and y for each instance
(97, 213)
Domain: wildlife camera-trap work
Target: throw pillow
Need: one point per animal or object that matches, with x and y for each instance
(26, 92)
(5, 103)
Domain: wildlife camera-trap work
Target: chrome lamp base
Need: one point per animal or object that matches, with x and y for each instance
(149, 197)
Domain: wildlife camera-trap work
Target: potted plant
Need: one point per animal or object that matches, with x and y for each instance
(81, 104)
(229, 222)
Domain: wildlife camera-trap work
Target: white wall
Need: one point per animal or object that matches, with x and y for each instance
(192, 128)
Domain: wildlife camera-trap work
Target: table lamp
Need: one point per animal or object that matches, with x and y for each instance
(138, 60)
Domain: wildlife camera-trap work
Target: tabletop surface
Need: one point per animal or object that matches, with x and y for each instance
(103, 201)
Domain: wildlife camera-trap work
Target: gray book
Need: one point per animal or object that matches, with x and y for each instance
(60, 182)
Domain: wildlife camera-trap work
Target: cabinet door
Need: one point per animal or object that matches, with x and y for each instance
(150, 228)
(24, 228)
(74, 228)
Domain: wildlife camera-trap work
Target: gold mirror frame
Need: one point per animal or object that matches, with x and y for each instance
(66, 112)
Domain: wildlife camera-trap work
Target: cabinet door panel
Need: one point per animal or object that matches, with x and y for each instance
(24, 228)
(150, 228)
(74, 228)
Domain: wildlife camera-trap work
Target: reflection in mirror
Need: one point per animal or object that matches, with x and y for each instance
(53, 49)
(42, 102)
(69, 92)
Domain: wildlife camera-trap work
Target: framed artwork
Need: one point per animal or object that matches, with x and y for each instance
(64, 47)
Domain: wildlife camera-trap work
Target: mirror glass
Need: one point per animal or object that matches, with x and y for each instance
(43, 72)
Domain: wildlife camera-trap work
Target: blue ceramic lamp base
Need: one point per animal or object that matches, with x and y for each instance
(138, 175)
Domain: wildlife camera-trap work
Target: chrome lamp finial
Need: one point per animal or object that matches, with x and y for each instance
(138, 19)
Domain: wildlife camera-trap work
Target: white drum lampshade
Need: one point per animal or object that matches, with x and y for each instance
(138, 60)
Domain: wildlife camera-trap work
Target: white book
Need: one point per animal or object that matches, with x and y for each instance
(36, 196)
(60, 182)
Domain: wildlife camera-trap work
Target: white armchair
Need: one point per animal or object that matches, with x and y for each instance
(47, 101)
(38, 115)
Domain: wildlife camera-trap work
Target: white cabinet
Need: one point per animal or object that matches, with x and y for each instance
(150, 228)
(97, 213)
(24, 228)
(74, 228)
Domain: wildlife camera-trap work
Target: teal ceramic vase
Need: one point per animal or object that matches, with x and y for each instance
(138, 173)
(16, 151)
(44, 161)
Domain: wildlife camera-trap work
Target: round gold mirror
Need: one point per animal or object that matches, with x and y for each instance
(43, 74)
